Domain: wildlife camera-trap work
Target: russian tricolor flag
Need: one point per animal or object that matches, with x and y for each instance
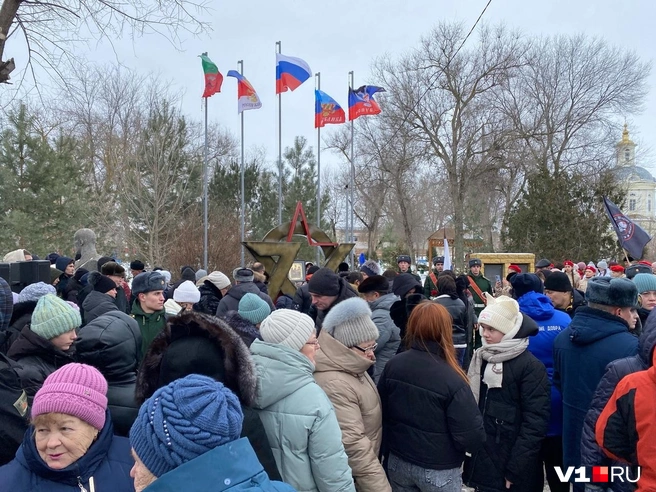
(247, 97)
(291, 72)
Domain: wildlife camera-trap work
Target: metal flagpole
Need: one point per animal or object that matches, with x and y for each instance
(243, 198)
(352, 185)
(279, 48)
(205, 179)
(318, 76)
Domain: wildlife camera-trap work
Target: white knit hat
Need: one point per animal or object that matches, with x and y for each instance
(219, 279)
(349, 322)
(186, 292)
(287, 327)
(501, 313)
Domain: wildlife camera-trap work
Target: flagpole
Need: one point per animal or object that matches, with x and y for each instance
(243, 198)
(205, 178)
(279, 50)
(352, 184)
(318, 77)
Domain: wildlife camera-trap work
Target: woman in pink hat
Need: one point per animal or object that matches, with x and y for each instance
(70, 445)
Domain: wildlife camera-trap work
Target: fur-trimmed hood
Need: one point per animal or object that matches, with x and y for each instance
(259, 277)
(238, 367)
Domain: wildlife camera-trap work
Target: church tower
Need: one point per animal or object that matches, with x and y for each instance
(625, 150)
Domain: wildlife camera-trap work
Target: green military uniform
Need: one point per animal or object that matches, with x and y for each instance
(429, 285)
(408, 260)
(479, 304)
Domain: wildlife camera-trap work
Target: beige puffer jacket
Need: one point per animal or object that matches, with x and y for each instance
(342, 374)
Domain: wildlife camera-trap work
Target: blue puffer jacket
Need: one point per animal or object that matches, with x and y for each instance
(232, 466)
(550, 323)
(591, 453)
(581, 353)
(108, 461)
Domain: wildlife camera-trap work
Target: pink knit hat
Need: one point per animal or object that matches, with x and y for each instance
(75, 389)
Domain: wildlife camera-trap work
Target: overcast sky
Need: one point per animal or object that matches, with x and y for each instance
(338, 36)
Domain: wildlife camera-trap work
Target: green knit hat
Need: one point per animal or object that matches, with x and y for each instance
(53, 317)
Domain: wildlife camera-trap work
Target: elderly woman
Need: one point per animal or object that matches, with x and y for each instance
(188, 432)
(70, 445)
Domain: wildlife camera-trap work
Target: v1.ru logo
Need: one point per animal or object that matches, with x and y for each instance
(600, 474)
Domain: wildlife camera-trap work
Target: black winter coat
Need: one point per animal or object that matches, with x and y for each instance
(303, 299)
(578, 300)
(13, 410)
(195, 343)
(231, 300)
(458, 312)
(430, 417)
(210, 297)
(21, 316)
(37, 358)
(345, 292)
(96, 304)
(516, 420)
(244, 328)
(72, 289)
(112, 344)
(400, 312)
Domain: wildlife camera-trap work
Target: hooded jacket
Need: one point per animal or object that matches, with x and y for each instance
(96, 304)
(550, 323)
(430, 417)
(182, 349)
(108, 461)
(210, 297)
(591, 453)
(37, 358)
(300, 421)
(230, 301)
(581, 353)
(112, 344)
(390, 334)
(150, 324)
(626, 428)
(259, 279)
(230, 467)
(342, 374)
(516, 419)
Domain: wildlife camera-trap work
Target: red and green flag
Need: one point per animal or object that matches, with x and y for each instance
(213, 78)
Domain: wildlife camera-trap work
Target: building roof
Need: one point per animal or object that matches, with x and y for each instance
(632, 173)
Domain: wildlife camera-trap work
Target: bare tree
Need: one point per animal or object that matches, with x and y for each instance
(48, 29)
(442, 93)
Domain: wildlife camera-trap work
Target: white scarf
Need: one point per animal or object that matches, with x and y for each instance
(495, 355)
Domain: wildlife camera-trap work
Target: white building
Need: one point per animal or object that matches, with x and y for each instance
(641, 186)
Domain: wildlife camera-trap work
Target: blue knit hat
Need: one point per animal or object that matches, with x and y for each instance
(184, 420)
(645, 282)
(34, 292)
(253, 308)
(53, 317)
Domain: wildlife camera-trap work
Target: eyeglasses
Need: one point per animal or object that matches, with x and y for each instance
(367, 349)
(315, 343)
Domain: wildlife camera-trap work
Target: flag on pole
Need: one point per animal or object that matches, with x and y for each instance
(327, 111)
(447, 255)
(632, 237)
(247, 98)
(291, 72)
(361, 101)
(213, 78)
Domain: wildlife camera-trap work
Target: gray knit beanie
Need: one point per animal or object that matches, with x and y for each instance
(287, 327)
(349, 322)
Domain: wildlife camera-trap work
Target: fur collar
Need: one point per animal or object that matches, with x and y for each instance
(238, 363)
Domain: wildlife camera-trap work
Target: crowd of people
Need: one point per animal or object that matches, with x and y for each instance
(364, 380)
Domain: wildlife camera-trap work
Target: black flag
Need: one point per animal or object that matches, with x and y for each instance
(632, 237)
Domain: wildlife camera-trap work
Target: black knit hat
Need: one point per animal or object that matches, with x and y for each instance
(104, 284)
(312, 270)
(523, 283)
(558, 282)
(324, 282)
(137, 265)
(79, 273)
(375, 283)
(404, 283)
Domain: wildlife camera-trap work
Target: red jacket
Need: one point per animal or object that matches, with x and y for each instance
(626, 428)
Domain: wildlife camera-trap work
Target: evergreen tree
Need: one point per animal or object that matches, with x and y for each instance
(42, 193)
(561, 216)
